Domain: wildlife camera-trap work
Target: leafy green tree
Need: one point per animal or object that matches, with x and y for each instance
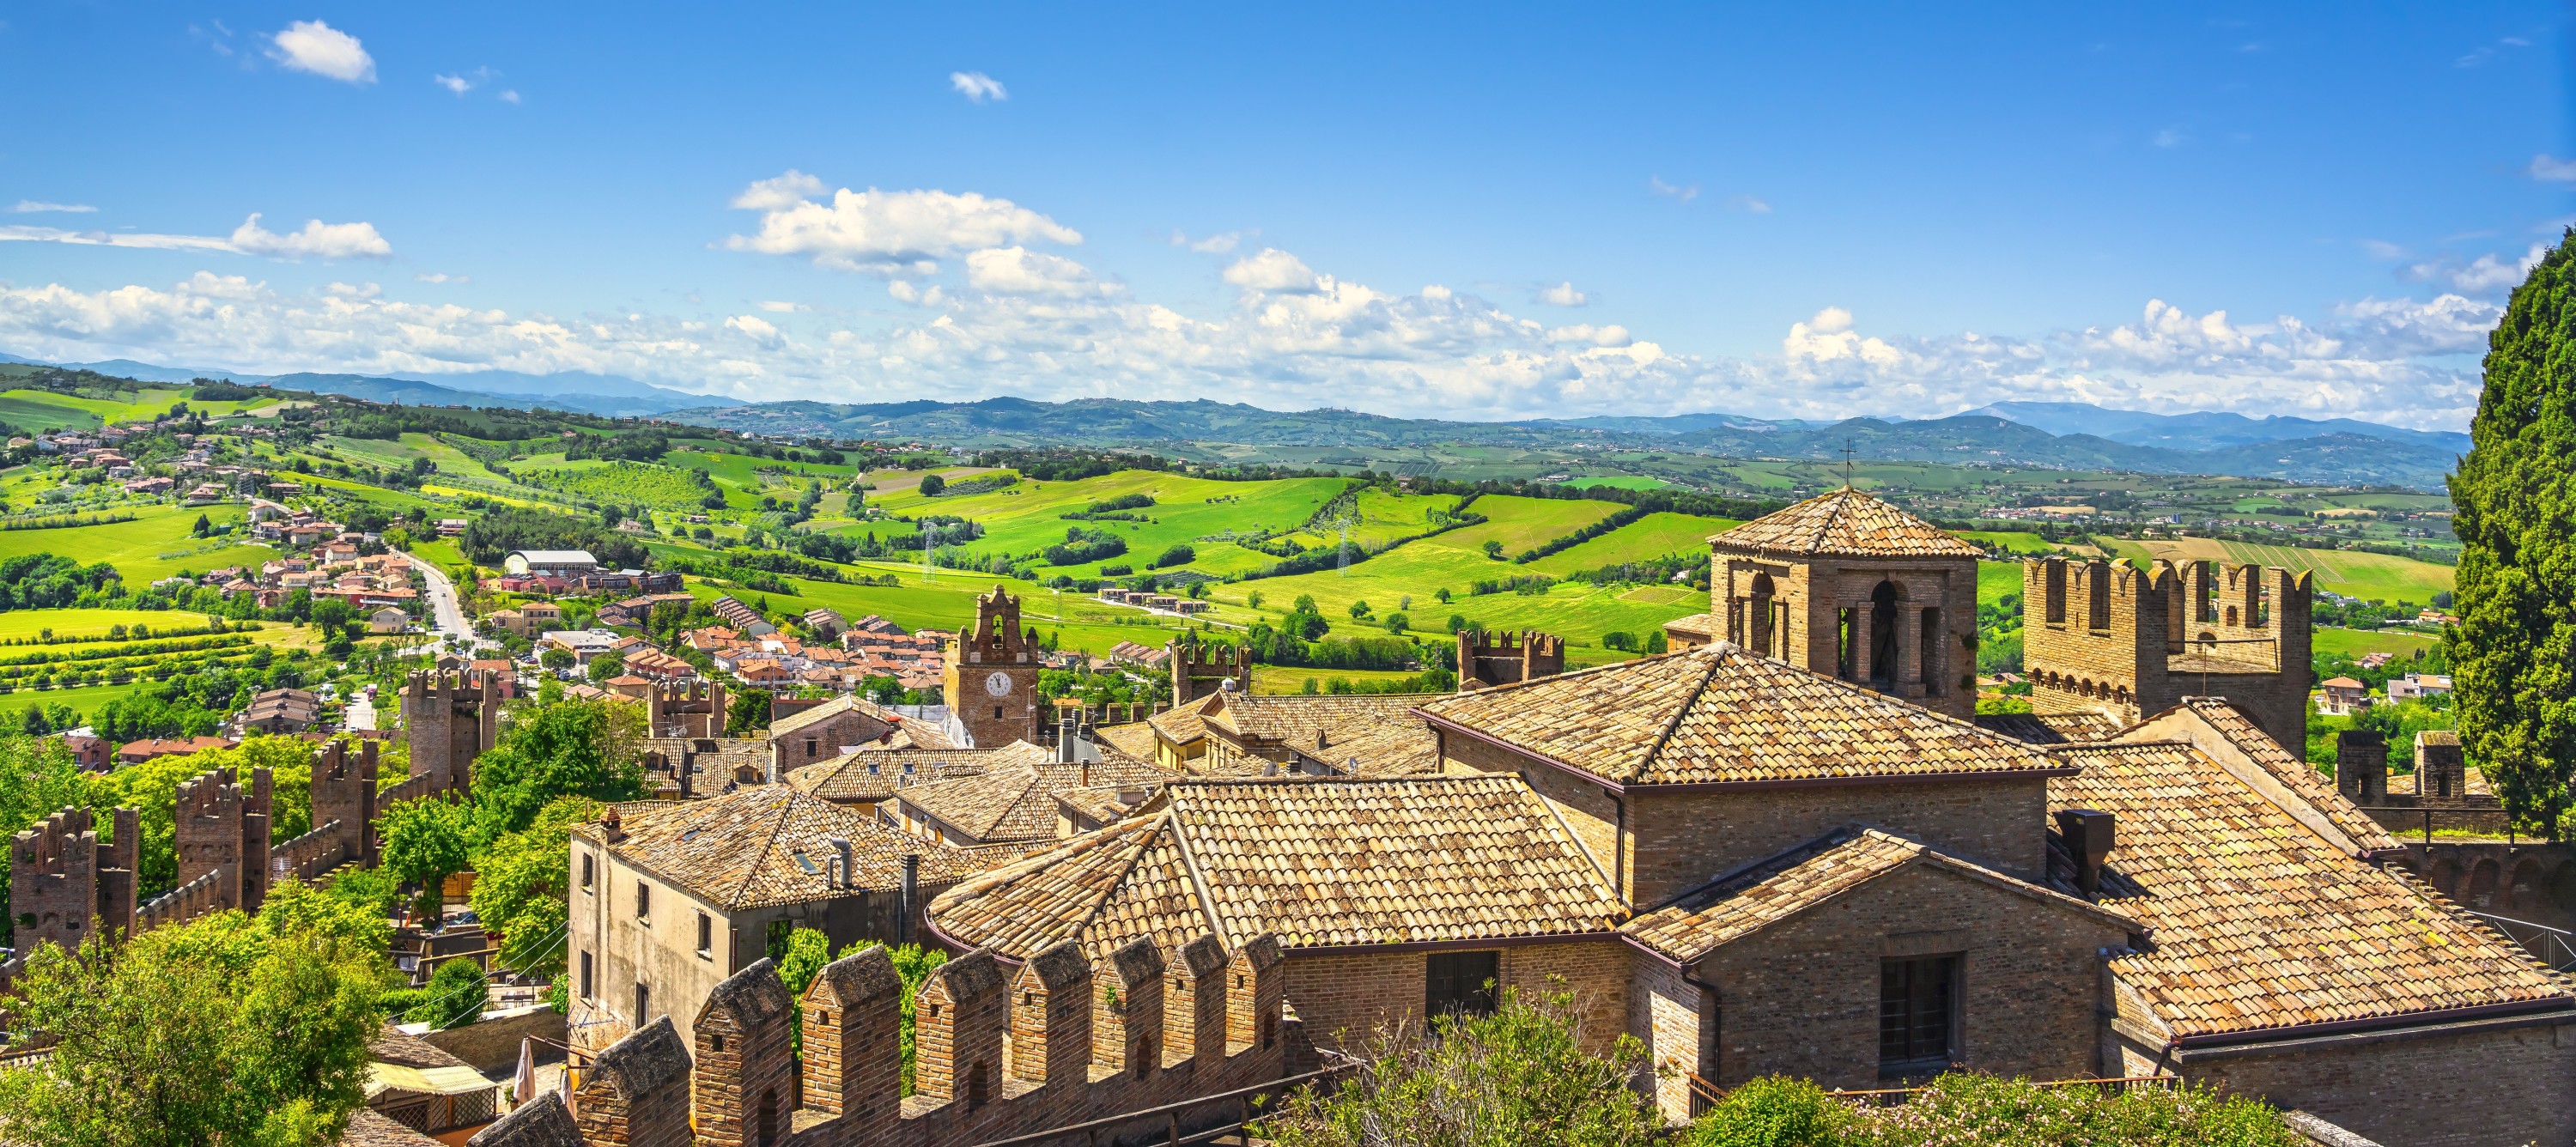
(521, 886)
(1775, 1111)
(454, 998)
(606, 666)
(1252, 600)
(572, 748)
(557, 657)
(932, 484)
(748, 712)
(1518, 1076)
(425, 841)
(222, 1030)
(2514, 650)
(1360, 608)
(37, 779)
(1397, 623)
(1494, 549)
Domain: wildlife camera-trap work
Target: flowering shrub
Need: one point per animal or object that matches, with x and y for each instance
(1961, 1109)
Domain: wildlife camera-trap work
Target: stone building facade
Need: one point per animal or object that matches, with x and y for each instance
(2125, 641)
(1503, 658)
(991, 682)
(685, 709)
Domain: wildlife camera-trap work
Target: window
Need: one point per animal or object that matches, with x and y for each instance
(1917, 1005)
(643, 901)
(706, 934)
(643, 1000)
(585, 975)
(997, 712)
(588, 869)
(1460, 982)
(810, 744)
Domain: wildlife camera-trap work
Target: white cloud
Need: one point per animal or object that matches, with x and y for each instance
(2548, 170)
(510, 96)
(2382, 249)
(316, 47)
(146, 240)
(457, 84)
(1212, 245)
(1656, 185)
(32, 206)
(1296, 338)
(977, 86)
(2171, 137)
(1271, 270)
(776, 307)
(1749, 203)
(1020, 271)
(757, 329)
(884, 232)
(318, 240)
(1563, 295)
(441, 278)
(2487, 274)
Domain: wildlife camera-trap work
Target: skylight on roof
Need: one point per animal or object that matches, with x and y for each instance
(805, 862)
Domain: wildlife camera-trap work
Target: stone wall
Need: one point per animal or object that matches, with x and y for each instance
(2113, 638)
(2532, 881)
(1343, 996)
(1802, 996)
(2496, 1085)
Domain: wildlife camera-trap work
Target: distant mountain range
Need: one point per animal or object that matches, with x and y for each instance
(2337, 452)
(601, 394)
(2067, 435)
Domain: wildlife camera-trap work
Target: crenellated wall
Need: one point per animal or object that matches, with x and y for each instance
(1487, 659)
(449, 718)
(2128, 641)
(999, 1052)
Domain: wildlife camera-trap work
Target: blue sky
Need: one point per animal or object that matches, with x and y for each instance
(1461, 212)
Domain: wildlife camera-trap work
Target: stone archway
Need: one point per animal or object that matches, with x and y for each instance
(2484, 879)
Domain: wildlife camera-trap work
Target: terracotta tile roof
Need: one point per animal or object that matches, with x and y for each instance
(870, 775)
(766, 845)
(1719, 714)
(2261, 923)
(1844, 523)
(923, 734)
(2050, 728)
(394, 1045)
(1181, 725)
(1016, 802)
(1103, 803)
(367, 1128)
(1136, 739)
(2318, 789)
(1319, 863)
(1710, 917)
(1294, 720)
(1398, 747)
(1703, 624)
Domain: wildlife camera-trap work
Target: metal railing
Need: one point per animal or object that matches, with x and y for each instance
(2555, 947)
(1704, 1095)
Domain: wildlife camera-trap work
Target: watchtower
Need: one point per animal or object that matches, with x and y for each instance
(1200, 667)
(220, 829)
(1848, 586)
(449, 718)
(2125, 641)
(1488, 659)
(692, 709)
(992, 675)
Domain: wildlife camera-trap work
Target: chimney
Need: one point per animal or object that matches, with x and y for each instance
(841, 855)
(612, 827)
(2088, 840)
(911, 897)
(2361, 766)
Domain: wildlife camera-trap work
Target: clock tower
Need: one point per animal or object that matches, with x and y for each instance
(992, 678)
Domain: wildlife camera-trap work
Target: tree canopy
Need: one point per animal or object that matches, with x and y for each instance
(2513, 652)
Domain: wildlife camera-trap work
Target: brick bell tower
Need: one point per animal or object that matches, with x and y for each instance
(992, 677)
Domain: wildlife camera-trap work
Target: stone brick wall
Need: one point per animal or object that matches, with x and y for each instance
(53, 880)
(2532, 881)
(1486, 659)
(448, 720)
(1794, 609)
(1344, 996)
(1802, 996)
(2480, 1087)
(1665, 1009)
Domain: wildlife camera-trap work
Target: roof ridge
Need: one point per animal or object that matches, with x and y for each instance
(1579, 846)
(1171, 824)
(751, 871)
(1190, 864)
(1716, 662)
(1570, 674)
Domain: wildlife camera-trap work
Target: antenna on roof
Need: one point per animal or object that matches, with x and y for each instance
(1848, 451)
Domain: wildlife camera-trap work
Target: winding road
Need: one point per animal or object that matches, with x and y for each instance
(446, 616)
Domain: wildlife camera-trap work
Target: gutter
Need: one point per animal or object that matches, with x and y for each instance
(2345, 1033)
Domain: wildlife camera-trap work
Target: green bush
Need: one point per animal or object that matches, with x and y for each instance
(1964, 1107)
(1775, 1111)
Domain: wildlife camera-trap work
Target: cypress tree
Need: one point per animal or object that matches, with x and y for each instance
(2514, 649)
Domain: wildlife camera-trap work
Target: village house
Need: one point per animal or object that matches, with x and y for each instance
(842, 725)
(2415, 686)
(1252, 734)
(2342, 696)
(669, 899)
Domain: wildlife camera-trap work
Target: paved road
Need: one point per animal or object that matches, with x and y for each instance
(447, 617)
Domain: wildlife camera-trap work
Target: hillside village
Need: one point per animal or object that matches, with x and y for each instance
(1278, 758)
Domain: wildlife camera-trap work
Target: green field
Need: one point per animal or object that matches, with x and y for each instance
(2352, 573)
(947, 601)
(2011, 541)
(1647, 538)
(151, 547)
(1524, 524)
(28, 623)
(1619, 482)
(2355, 643)
(1025, 517)
(1293, 678)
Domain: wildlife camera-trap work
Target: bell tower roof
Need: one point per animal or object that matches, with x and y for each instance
(1845, 523)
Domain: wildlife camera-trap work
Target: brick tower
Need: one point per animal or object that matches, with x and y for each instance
(1199, 667)
(992, 678)
(448, 719)
(1488, 659)
(1848, 586)
(2124, 641)
(220, 830)
(691, 709)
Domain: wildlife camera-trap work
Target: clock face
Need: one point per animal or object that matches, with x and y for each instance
(998, 685)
